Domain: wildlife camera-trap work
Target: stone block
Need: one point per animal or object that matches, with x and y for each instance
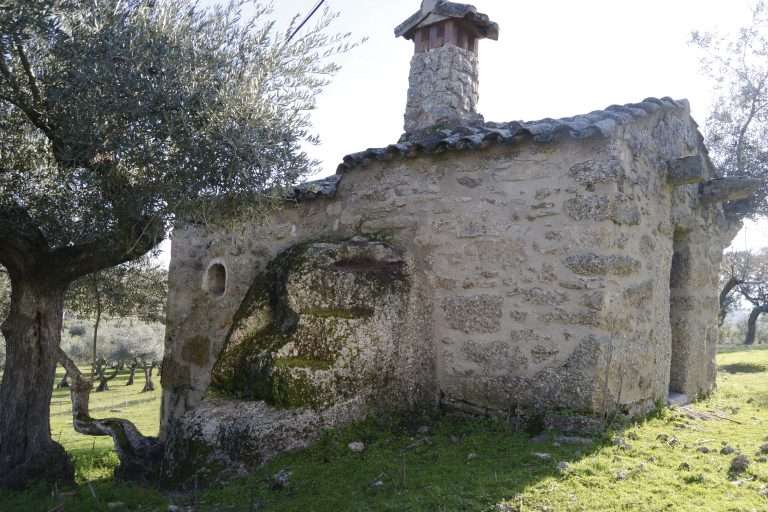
(479, 314)
(593, 172)
(601, 265)
(686, 171)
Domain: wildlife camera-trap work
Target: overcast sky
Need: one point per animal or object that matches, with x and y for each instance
(554, 58)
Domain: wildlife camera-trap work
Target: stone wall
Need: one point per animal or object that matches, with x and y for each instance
(538, 278)
(443, 89)
(701, 234)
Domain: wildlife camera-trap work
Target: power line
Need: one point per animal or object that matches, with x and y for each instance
(309, 17)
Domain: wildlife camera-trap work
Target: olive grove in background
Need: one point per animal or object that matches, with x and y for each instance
(744, 298)
(754, 291)
(137, 289)
(733, 272)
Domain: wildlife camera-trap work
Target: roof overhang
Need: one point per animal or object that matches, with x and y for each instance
(442, 11)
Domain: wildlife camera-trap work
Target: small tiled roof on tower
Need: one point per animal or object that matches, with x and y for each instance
(435, 11)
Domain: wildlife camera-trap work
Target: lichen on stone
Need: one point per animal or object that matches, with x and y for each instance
(601, 265)
(476, 314)
(328, 307)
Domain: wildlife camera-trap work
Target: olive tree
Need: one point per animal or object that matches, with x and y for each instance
(5, 293)
(117, 119)
(134, 289)
(734, 271)
(737, 129)
(754, 289)
(5, 299)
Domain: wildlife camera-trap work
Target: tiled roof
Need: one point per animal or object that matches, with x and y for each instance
(325, 187)
(482, 22)
(601, 123)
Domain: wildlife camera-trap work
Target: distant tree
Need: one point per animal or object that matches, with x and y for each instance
(132, 367)
(138, 288)
(101, 371)
(737, 128)
(77, 330)
(148, 367)
(755, 291)
(119, 118)
(64, 382)
(733, 333)
(733, 272)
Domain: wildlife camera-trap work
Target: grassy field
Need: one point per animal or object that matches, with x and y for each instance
(672, 461)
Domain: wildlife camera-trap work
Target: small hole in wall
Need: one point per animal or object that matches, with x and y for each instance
(216, 280)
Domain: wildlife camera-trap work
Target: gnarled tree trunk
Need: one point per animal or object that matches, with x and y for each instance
(64, 382)
(101, 374)
(96, 323)
(139, 456)
(148, 384)
(752, 324)
(32, 332)
(132, 374)
(725, 298)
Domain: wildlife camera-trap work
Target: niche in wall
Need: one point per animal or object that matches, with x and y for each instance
(216, 279)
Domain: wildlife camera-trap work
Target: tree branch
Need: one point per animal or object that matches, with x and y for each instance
(36, 96)
(732, 283)
(7, 74)
(743, 134)
(106, 252)
(21, 241)
(33, 115)
(752, 300)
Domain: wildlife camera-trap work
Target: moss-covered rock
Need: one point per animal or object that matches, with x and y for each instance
(318, 327)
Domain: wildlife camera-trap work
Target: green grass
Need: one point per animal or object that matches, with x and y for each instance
(115, 402)
(475, 465)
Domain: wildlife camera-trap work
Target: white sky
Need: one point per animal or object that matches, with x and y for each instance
(554, 58)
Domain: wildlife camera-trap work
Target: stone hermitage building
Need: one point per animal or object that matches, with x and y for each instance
(488, 267)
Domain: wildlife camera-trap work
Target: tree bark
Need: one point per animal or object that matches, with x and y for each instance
(148, 384)
(101, 374)
(32, 332)
(64, 383)
(131, 375)
(96, 323)
(725, 294)
(752, 323)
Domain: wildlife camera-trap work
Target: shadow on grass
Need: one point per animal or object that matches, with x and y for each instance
(728, 349)
(443, 463)
(411, 463)
(416, 463)
(94, 468)
(743, 368)
(439, 462)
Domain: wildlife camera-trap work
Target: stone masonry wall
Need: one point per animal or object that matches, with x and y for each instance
(539, 273)
(701, 234)
(443, 89)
